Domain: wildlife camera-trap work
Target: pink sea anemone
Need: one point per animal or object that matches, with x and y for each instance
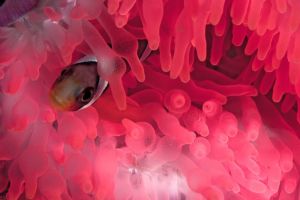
(212, 112)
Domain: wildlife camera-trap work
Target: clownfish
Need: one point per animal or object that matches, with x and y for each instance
(78, 86)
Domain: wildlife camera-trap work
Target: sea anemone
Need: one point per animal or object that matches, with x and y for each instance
(202, 101)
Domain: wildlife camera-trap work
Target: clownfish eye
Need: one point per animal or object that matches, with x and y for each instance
(87, 94)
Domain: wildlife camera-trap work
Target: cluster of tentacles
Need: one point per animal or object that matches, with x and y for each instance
(211, 113)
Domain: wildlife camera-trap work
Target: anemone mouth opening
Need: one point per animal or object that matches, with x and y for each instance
(233, 59)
